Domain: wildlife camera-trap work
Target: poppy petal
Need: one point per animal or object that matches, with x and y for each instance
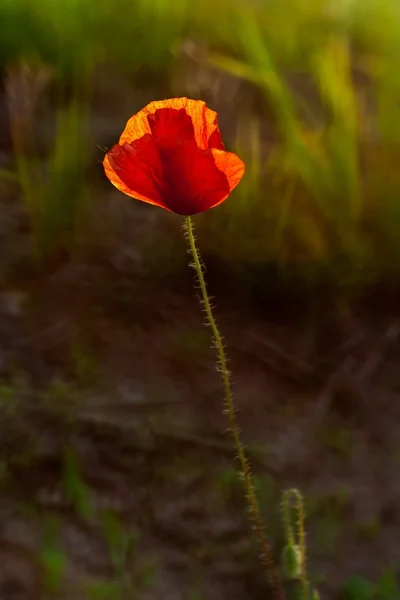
(171, 127)
(205, 121)
(195, 183)
(205, 124)
(231, 165)
(136, 169)
(215, 140)
(171, 154)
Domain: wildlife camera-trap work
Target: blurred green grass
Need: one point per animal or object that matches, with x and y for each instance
(322, 147)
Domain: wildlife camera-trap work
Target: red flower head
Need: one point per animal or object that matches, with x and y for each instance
(171, 154)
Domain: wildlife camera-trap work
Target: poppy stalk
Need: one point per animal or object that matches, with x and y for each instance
(253, 505)
(171, 155)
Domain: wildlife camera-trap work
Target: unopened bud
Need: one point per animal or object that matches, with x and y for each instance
(292, 561)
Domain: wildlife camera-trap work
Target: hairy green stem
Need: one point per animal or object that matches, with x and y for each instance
(246, 474)
(302, 542)
(300, 530)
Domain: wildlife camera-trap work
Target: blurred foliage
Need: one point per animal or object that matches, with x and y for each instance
(321, 144)
(75, 34)
(324, 192)
(386, 587)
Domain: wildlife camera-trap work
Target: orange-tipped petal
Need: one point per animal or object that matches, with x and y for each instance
(232, 167)
(136, 170)
(205, 122)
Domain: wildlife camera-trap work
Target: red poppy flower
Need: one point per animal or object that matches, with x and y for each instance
(171, 154)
